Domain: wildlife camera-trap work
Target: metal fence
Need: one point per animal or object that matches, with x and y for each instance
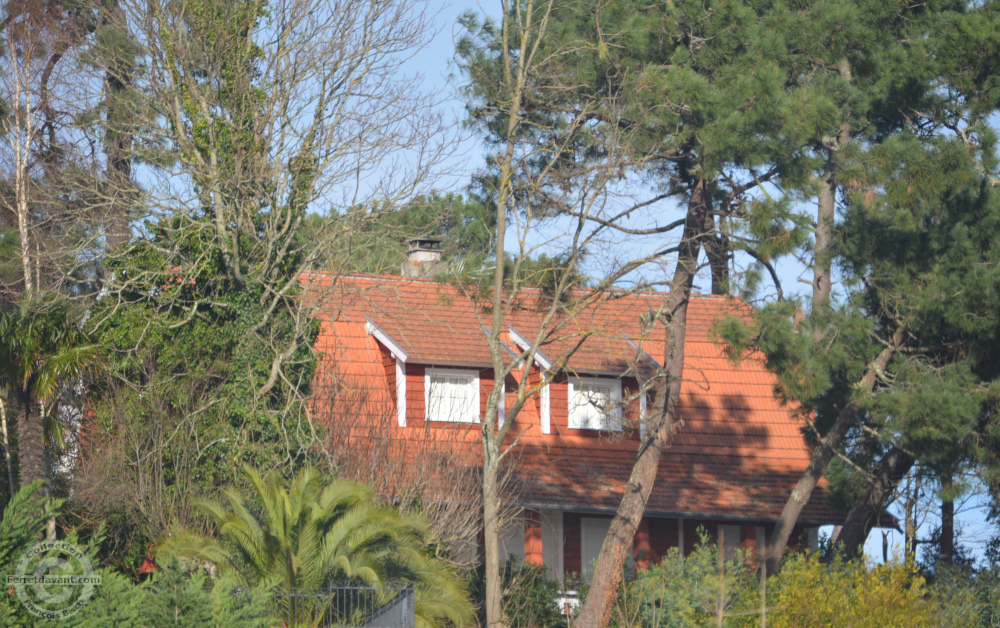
(346, 605)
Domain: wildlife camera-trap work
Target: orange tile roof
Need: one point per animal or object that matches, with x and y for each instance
(739, 451)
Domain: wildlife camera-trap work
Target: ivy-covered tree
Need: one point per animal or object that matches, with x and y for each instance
(242, 135)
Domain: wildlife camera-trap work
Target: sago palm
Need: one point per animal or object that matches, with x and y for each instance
(323, 530)
(42, 350)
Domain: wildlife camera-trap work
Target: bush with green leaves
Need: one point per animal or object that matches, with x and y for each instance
(175, 596)
(967, 596)
(807, 591)
(685, 590)
(21, 527)
(529, 595)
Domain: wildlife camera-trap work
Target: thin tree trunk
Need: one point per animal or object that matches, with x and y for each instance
(821, 457)
(492, 440)
(826, 211)
(30, 443)
(604, 584)
(889, 471)
(912, 495)
(492, 434)
(717, 250)
(720, 611)
(946, 552)
(491, 534)
(6, 448)
(826, 214)
(20, 130)
(50, 528)
(763, 594)
(118, 138)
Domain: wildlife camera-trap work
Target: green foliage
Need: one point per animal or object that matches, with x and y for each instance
(374, 238)
(717, 92)
(809, 592)
(23, 521)
(189, 351)
(42, 345)
(967, 597)
(176, 596)
(320, 531)
(918, 254)
(684, 590)
(43, 354)
(529, 595)
(806, 592)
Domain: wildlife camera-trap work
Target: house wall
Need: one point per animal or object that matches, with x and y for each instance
(658, 535)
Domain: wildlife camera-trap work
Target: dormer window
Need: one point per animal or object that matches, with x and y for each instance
(595, 404)
(451, 395)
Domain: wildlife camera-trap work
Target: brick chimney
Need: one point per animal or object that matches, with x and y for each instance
(423, 258)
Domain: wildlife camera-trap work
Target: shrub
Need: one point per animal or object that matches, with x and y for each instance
(175, 597)
(809, 592)
(684, 591)
(967, 597)
(529, 595)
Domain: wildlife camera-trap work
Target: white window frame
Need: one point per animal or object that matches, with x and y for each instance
(643, 414)
(473, 415)
(614, 421)
(502, 405)
(546, 414)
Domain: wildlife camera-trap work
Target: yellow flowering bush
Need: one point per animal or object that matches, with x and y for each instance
(848, 594)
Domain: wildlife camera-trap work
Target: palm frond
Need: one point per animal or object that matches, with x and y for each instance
(320, 530)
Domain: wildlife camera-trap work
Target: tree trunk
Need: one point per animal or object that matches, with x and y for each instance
(491, 534)
(826, 214)
(118, 137)
(608, 572)
(821, 457)
(888, 473)
(717, 250)
(8, 461)
(946, 551)
(912, 495)
(30, 442)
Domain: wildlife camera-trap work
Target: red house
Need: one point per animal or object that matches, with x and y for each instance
(405, 375)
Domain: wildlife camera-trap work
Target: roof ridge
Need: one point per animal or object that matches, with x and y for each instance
(434, 280)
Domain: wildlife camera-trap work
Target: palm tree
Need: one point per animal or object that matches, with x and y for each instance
(42, 347)
(324, 530)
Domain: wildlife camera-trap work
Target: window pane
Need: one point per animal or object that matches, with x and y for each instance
(592, 407)
(450, 398)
